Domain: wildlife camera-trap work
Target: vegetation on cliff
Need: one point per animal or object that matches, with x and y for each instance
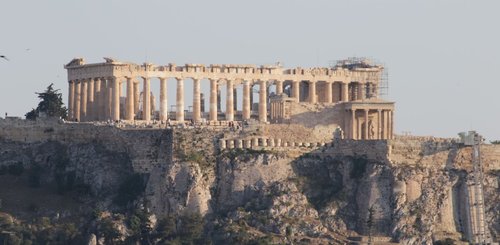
(50, 105)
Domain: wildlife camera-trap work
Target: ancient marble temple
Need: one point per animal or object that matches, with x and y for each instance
(352, 88)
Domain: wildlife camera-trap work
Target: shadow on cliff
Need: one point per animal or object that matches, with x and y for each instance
(344, 187)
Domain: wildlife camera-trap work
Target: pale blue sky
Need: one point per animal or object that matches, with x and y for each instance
(442, 56)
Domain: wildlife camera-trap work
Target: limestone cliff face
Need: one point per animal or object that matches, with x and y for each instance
(415, 188)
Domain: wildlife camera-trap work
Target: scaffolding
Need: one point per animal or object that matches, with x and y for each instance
(478, 230)
(364, 62)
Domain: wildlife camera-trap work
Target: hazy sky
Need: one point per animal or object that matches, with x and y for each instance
(443, 57)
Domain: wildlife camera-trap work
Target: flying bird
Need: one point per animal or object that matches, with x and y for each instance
(3, 56)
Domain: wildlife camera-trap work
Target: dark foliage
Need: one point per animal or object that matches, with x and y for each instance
(50, 104)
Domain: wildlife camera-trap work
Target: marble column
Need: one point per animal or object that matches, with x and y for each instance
(345, 92)
(83, 100)
(246, 100)
(129, 112)
(179, 116)
(384, 126)
(71, 96)
(115, 103)
(137, 96)
(361, 91)
(196, 100)
(328, 91)
(109, 98)
(76, 103)
(366, 125)
(102, 99)
(379, 124)
(263, 101)
(97, 99)
(353, 124)
(229, 100)
(163, 99)
(279, 87)
(391, 130)
(296, 90)
(146, 99)
(90, 100)
(213, 100)
(312, 92)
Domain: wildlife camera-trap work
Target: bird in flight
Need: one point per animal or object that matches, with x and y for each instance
(3, 57)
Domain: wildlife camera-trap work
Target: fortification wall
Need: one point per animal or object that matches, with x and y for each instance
(147, 148)
(431, 152)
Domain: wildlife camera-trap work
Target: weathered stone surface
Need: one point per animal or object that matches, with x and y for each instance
(416, 186)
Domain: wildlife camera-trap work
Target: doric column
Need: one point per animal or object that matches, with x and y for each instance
(229, 100)
(366, 125)
(83, 100)
(361, 91)
(137, 96)
(263, 101)
(163, 99)
(296, 90)
(246, 100)
(345, 92)
(196, 100)
(213, 100)
(115, 103)
(353, 124)
(146, 99)
(379, 124)
(71, 96)
(385, 134)
(90, 100)
(328, 91)
(109, 98)
(129, 112)
(76, 103)
(179, 116)
(97, 99)
(312, 92)
(279, 87)
(102, 99)
(391, 130)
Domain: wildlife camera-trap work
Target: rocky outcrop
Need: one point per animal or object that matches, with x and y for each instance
(410, 190)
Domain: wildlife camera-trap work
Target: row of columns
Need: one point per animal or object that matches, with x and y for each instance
(345, 91)
(359, 126)
(99, 98)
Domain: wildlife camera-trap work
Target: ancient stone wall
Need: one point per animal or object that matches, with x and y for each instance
(147, 148)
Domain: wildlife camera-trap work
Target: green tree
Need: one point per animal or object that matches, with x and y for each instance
(50, 104)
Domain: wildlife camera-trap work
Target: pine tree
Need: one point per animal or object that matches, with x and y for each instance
(51, 104)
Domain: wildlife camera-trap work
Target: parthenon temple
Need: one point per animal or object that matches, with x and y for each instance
(348, 91)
